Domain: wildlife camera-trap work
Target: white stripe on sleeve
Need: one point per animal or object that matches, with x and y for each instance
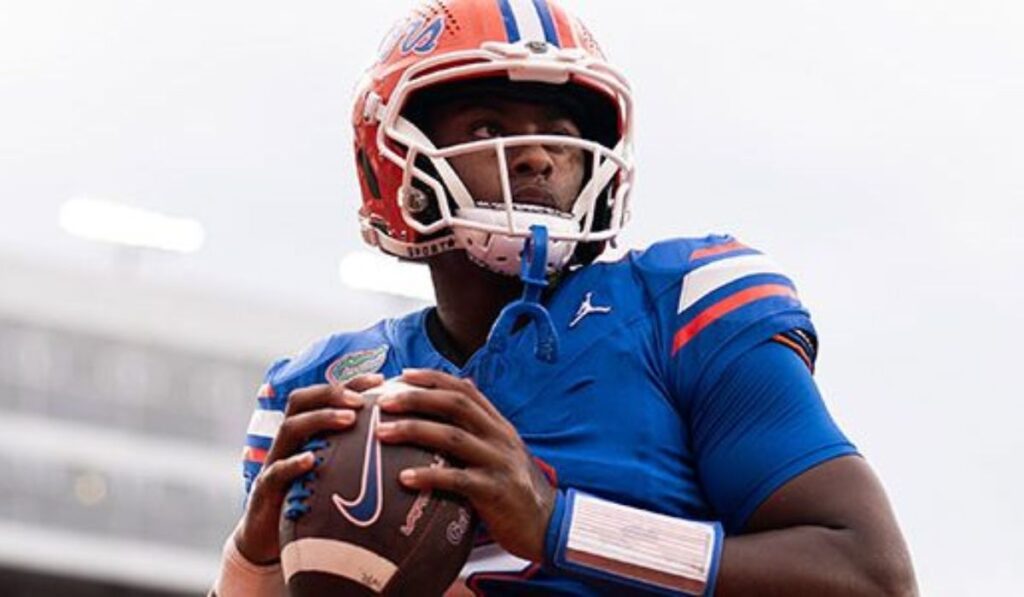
(265, 423)
(706, 279)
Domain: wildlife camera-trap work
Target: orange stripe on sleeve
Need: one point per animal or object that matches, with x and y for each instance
(254, 454)
(724, 307)
(796, 348)
(266, 391)
(717, 250)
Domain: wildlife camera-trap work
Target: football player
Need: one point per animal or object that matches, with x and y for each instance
(642, 424)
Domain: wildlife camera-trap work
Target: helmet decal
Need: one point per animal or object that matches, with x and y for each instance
(416, 35)
(528, 20)
(422, 37)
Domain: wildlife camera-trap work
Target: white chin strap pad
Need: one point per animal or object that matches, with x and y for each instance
(500, 252)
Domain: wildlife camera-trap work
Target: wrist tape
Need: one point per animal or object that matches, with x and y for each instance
(239, 577)
(604, 540)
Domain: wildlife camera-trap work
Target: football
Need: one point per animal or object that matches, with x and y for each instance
(349, 527)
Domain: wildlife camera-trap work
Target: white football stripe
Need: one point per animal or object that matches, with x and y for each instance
(265, 423)
(492, 558)
(349, 561)
(706, 279)
(528, 21)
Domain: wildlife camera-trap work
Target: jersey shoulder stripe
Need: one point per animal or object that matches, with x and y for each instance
(264, 423)
(719, 246)
(725, 306)
(727, 277)
(263, 427)
(254, 455)
(714, 274)
(715, 298)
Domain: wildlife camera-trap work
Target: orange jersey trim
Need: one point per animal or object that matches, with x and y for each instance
(796, 348)
(724, 307)
(728, 247)
(254, 454)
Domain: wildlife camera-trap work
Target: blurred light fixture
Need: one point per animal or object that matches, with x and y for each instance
(90, 488)
(111, 222)
(374, 272)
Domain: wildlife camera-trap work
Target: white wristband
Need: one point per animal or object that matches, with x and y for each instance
(633, 546)
(239, 577)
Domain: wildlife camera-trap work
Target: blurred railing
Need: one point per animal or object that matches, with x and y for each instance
(116, 448)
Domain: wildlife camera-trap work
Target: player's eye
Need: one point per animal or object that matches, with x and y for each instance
(560, 130)
(564, 127)
(485, 130)
(564, 131)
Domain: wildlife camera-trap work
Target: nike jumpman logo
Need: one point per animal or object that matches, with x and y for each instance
(586, 308)
(366, 507)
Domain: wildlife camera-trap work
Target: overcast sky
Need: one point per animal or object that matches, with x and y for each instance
(874, 148)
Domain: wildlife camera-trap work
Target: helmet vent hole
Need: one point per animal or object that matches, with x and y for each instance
(449, 18)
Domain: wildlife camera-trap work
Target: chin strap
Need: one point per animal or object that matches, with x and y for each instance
(533, 273)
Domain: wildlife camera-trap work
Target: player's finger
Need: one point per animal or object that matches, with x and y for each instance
(272, 483)
(452, 406)
(361, 383)
(257, 536)
(447, 439)
(326, 395)
(430, 378)
(466, 482)
(297, 429)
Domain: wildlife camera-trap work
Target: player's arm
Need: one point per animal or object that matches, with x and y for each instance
(828, 529)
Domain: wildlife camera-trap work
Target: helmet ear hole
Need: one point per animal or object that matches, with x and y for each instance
(430, 212)
(368, 174)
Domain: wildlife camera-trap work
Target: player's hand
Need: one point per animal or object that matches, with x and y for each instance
(501, 480)
(311, 410)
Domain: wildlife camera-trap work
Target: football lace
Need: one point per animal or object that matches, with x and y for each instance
(300, 492)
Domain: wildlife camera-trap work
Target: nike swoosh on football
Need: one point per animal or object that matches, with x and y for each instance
(365, 509)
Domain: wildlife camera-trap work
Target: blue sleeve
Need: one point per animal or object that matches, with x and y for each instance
(760, 425)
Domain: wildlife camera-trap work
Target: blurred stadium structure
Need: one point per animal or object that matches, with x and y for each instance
(123, 406)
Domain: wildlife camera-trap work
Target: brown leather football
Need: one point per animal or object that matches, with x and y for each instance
(349, 527)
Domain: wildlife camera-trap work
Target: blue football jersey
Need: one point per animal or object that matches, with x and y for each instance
(650, 403)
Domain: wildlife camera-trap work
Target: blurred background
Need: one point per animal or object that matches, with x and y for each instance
(874, 148)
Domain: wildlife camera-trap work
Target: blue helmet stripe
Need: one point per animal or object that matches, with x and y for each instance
(511, 27)
(550, 32)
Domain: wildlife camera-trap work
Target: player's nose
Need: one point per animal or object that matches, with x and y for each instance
(530, 160)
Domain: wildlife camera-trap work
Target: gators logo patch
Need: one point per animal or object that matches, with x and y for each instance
(354, 364)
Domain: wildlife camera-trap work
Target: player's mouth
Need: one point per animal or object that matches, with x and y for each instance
(534, 194)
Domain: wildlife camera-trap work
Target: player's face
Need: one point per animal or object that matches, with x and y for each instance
(545, 175)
